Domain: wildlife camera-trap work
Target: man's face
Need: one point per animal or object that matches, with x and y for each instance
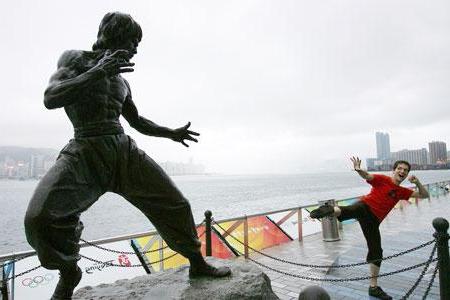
(400, 172)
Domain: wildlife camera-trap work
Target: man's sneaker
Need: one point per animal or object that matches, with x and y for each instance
(377, 292)
(322, 211)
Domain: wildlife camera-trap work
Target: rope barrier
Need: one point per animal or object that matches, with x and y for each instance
(327, 266)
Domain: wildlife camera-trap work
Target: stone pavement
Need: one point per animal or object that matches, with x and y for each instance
(401, 230)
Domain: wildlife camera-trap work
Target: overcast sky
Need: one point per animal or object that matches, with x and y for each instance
(272, 86)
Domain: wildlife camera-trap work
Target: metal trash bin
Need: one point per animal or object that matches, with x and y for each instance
(330, 227)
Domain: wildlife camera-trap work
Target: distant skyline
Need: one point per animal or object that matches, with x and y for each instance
(383, 145)
(272, 86)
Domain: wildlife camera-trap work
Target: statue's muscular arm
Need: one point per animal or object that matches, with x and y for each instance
(147, 127)
(67, 82)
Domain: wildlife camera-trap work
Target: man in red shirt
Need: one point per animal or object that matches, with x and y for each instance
(373, 208)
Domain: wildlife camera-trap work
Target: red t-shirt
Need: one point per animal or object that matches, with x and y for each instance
(384, 195)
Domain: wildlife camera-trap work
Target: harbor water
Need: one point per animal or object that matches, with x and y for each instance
(225, 195)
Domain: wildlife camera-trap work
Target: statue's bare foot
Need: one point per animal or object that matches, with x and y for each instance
(206, 270)
(66, 285)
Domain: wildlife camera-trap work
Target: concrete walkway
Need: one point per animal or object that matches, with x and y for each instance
(401, 230)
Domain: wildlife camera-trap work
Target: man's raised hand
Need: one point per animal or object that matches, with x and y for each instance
(413, 179)
(182, 133)
(356, 163)
(115, 63)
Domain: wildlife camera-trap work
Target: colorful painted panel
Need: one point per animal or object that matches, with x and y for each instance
(162, 257)
(262, 233)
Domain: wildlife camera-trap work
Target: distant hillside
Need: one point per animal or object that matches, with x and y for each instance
(24, 154)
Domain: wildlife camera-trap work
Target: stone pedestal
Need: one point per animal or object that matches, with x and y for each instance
(246, 282)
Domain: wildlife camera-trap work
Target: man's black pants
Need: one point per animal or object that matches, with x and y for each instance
(370, 227)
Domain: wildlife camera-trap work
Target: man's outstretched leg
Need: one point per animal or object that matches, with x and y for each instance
(370, 228)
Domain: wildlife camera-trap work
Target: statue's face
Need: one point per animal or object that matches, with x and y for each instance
(130, 45)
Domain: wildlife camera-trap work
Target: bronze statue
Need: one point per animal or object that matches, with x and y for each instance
(101, 158)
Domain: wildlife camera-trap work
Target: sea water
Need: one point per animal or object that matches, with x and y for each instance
(225, 195)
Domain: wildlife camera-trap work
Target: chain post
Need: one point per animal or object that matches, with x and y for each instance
(208, 218)
(441, 226)
(246, 237)
(300, 224)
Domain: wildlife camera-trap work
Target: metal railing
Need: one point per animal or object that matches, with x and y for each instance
(292, 210)
(435, 189)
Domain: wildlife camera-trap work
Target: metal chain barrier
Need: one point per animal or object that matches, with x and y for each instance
(327, 266)
(341, 279)
(426, 265)
(130, 266)
(122, 252)
(430, 284)
(131, 252)
(419, 279)
(95, 260)
(20, 274)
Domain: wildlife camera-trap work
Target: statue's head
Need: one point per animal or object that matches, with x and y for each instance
(118, 31)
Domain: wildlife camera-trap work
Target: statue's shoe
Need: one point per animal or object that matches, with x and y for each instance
(209, 271)
(64, 288)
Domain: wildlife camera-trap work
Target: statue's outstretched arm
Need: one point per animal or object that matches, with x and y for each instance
(147, 127)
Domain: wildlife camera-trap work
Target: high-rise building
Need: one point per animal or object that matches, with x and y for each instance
(438, 152)
(370, 162)
(37, 165)
(383, 145)
(414, 157)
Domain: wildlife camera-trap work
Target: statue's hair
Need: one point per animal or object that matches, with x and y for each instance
(114, 28)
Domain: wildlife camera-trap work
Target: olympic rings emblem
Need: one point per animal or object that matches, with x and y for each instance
(38, 280)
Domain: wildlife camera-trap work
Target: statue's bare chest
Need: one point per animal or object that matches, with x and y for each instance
(113, 88)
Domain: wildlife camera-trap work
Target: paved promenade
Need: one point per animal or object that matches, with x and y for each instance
(401, 230)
